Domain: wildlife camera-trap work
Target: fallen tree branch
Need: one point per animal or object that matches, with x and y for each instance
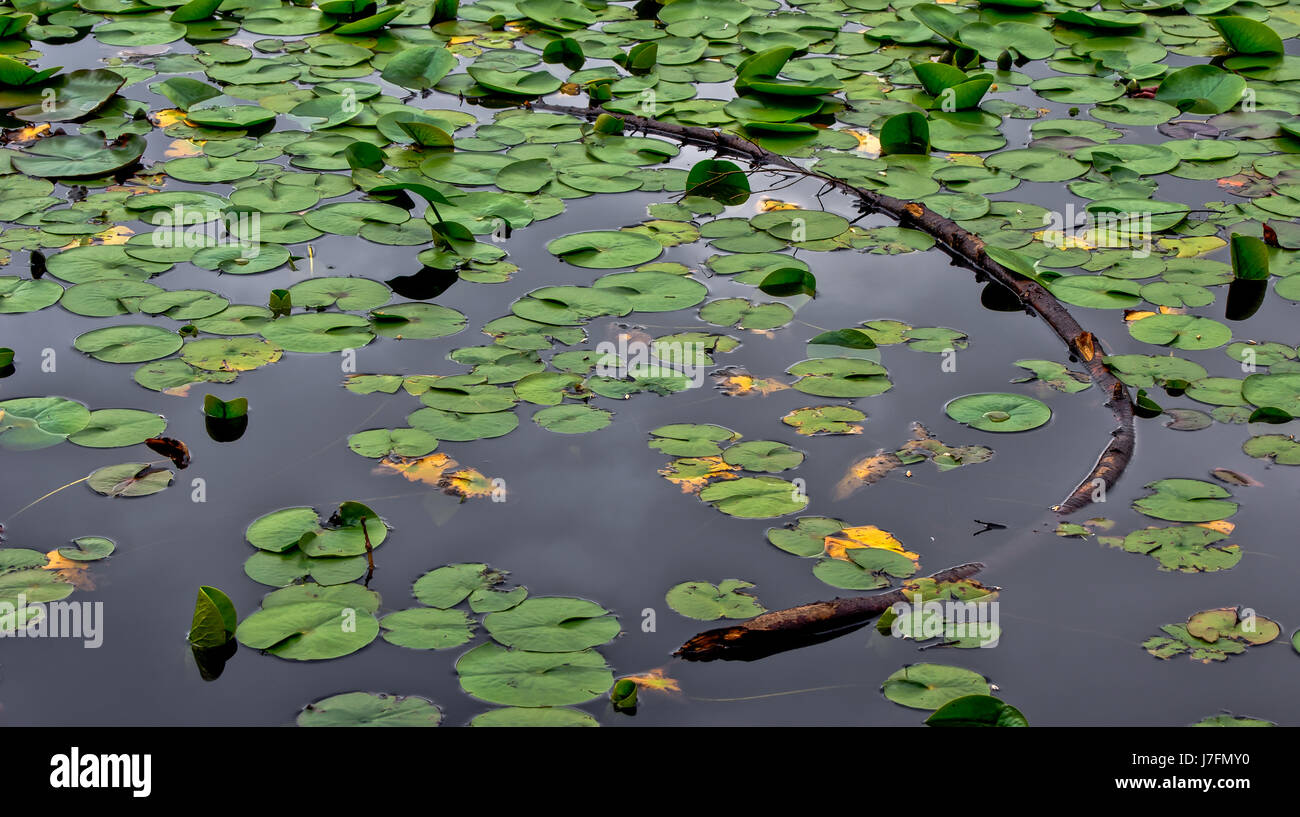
(966, 248)
(801, 626)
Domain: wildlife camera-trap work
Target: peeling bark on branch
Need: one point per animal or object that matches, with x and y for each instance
(966, 248)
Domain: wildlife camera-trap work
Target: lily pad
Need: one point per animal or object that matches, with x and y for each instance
(999, 412)
(931, 686)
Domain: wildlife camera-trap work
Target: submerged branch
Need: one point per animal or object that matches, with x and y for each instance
(966, 248)
(780, 630)
(370, 552)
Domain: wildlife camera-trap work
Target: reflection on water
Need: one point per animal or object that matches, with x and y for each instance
(588, 515)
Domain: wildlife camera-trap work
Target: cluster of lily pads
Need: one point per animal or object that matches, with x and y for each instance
(347, 118)
(1213, 635)
(540, 660)
(30, 577)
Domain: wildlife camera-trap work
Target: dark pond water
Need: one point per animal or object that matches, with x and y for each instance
(587, 515)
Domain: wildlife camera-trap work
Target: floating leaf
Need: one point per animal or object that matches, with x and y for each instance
(930, 686)
(370, 709)
(999, 412)
(517, 678)
(977, 710)
(215, 619)
(755, 497)
(427, 628)
(552, 625)
(1186, 500)
(312, 623)
(707, 602)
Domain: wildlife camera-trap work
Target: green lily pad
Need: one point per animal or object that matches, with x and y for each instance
(755, 497)
(128, 343)
(999, 412)
(114, 428)
(763, 455)
(708, 602)
(606, 249)
(517, 678)
(230, 354)
(931, 686)
(427, 628)
(88, 549)
(572, 419)
(312, 623)
(370, 709)
(552, 624)
(129, 479)
(31, 423)
(1186, 500)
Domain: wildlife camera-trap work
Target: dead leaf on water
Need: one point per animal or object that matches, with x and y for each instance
(692, 474)
(466, 484)
(735, 382)
(867, 471)
(1235, 478)
(864, 536)
(74, 573)
(182, 148)
(655, 679)
(428, 469)
(766, 205)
